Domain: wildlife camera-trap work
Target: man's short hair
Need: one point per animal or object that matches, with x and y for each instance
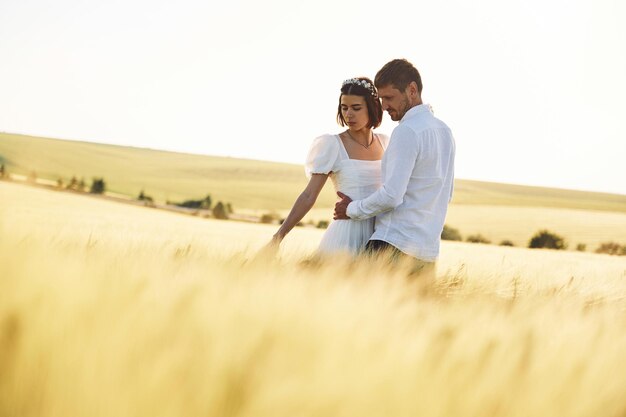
(398, 73)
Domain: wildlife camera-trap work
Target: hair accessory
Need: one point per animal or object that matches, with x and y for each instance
(362, 83)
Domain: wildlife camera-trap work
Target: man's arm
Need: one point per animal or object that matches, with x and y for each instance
(400, 158)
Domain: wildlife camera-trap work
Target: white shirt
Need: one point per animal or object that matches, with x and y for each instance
(418, 176)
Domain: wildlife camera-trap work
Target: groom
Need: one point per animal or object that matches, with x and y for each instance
(417, 173)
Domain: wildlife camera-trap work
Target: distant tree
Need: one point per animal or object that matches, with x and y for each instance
(82, 186)
(506, 242)
(478, 238)
(581, 247)
(612, 248)
(229, 208)
(450, 233)
(2, 171)
(219, 211)
(98, 186)
(547, 240)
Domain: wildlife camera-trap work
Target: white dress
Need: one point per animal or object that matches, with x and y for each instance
(355, 178)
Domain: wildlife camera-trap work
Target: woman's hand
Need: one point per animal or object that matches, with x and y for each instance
(270, 250)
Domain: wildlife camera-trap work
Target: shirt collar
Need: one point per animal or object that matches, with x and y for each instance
(420, 108)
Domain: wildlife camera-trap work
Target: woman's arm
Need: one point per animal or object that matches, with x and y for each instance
(302, 206)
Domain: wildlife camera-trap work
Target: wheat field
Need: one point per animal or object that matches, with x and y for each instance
(247, 184)
(519, 224)
(496, 211)
(116, 310)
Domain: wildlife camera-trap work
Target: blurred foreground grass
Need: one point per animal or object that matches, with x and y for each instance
(112, 310)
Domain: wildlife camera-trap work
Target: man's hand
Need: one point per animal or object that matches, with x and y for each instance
(341, 206)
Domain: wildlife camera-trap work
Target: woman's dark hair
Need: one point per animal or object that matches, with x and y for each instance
(398, 73)
(363, 87)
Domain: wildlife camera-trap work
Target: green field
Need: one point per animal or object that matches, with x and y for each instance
(247, 184)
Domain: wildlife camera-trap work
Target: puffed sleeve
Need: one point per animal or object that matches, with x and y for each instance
(323, 156)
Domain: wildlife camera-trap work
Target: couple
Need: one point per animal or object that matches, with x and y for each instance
(394, 191)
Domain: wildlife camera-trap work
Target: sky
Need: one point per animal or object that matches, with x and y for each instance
(533, 90)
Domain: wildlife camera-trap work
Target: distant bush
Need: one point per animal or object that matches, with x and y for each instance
(506, 243)
(98, 186)
(477, 239)
(229, 208)
(194, 204)
(60, 183)
(197, 204)
(143, 197)
(267, 218)
(299, 224)
(612, 248)
(76, 185)
(450, 233)
(581, 247)
(219, 211)
(73, 184)
(547, 240)
(3, 171)
(322, 224)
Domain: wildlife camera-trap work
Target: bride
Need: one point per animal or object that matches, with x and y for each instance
(352, 161)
